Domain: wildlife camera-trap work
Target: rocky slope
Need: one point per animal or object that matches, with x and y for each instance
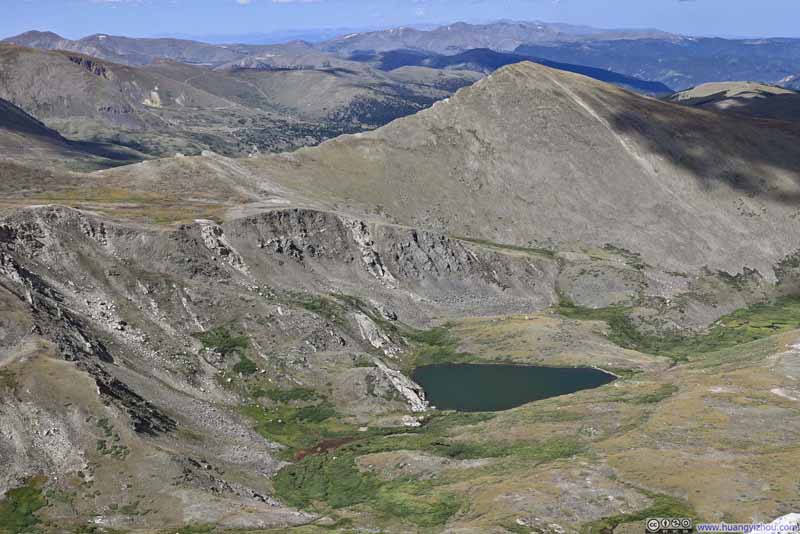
(125, 386)
(215, 344)
(131, 309)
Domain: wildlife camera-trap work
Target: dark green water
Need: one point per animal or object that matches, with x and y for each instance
(493, 388)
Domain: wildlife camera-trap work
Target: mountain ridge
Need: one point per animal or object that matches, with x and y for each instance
(458, 37)
(586, 124)
(747, 98)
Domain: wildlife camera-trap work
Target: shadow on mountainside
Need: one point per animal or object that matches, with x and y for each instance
(785, 107)
(754, 156)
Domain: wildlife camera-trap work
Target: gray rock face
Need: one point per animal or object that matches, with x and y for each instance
(410, 391)
(371, 333)
(405, 268)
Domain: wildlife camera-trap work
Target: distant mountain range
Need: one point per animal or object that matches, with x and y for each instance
(455, 38)
(486, 61)
(267, 38)
(310, 35)
(676, 61)
(685, 62)
(500, 36)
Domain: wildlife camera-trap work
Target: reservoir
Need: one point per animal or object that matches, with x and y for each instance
(497, 387)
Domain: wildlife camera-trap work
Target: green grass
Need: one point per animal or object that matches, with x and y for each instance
(663, 506)
(18, 508)
(245, 366)
(325, 307)
(549, 450)
(221, 340)
(333, 480)
(416, 503)
(535, 251)
(298, 427)
(572, 311)
(7, 379)
(742, 326)
(431, 443)
(440, 422)
(664, 392)
(286, 395)
(436, 346)
(330, 480)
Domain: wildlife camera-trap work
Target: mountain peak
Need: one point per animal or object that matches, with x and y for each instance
(37, 33)
(36, 39)
(535, 154)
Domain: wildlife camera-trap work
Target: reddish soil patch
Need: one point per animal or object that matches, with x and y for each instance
(323, 447)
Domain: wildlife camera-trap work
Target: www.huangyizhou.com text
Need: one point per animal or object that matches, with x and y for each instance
(749, 528)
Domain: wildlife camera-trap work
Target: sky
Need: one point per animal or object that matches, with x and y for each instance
(147, 18)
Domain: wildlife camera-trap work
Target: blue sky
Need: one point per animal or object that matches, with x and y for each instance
(76, 18)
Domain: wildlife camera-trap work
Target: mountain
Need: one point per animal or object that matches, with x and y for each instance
(291, 55)
(168, 107)
(131, 51)
(335, 95)
(460, 37)
(210, 344)
(755, 99)
(38, 39)
(535, 155)
(681, 63)
(311, 35)
(95, 100)
(487, 61)
(14, 120)
(25, 140)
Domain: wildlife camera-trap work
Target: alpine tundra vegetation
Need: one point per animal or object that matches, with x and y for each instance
(399, 281)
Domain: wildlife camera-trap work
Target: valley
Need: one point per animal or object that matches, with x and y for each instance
(235, 281)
